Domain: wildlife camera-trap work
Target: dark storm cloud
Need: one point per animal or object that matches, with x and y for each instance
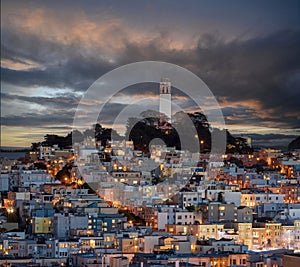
(59, 117)
(263, 68)
(109, 112)
(248, 116)
(65, 101)
(57, 127)
(266, 69)
(61, 65)
(62, 112)
(75, 73)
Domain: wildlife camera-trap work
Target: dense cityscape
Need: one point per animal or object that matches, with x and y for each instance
(150, 133)
(106, 203)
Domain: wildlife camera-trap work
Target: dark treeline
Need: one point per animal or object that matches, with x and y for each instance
(150, 126)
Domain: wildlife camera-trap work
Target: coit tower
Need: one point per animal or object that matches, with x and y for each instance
(165, 98)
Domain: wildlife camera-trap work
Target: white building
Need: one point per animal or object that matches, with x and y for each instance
(171, 216)
(149, 242)
(254, 199)
(190, 199)
(232, 197)
(64, 248)
(294, 213)
(37, 177)
(45, 152)
(165, 98)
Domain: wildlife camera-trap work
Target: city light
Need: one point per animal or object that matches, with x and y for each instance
(150, 133)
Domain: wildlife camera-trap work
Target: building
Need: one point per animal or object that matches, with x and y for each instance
(61, 225)
(165, 98)
(244, 214)
(218, 212)
(120, 261)
(127, 177)
(254, 199)
(105, 222)
(34, 177)
(4, 181)
(245, 234)
(41, 225)
(292, 260)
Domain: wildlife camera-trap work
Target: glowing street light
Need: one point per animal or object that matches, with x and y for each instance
(10, 210)
(80, 182)
(201, 145)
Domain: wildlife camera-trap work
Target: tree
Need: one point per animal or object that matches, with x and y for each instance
(191, 208)
(65, 172)
(40, 166)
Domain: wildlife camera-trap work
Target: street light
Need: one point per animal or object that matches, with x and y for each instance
(201, 145)
(10, 210)
(80, 182)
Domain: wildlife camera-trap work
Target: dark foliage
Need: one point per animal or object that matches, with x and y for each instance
(40, 166)
(143, 131)
(295, 144)
(237, 145)
(64, 172)
(100, 134)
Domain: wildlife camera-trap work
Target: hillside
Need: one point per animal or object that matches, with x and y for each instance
(295, 144)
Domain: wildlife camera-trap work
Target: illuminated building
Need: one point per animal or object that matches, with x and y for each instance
(165, 98)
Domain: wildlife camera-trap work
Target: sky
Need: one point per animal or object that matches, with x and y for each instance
(247, 52)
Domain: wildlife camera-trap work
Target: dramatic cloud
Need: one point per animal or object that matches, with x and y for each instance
(65, 101)
(60, 117)
(46, 48)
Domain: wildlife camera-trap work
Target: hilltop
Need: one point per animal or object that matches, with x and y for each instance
(143, 130)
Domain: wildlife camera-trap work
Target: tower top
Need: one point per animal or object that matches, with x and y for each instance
(165, 86)
(164, 80)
